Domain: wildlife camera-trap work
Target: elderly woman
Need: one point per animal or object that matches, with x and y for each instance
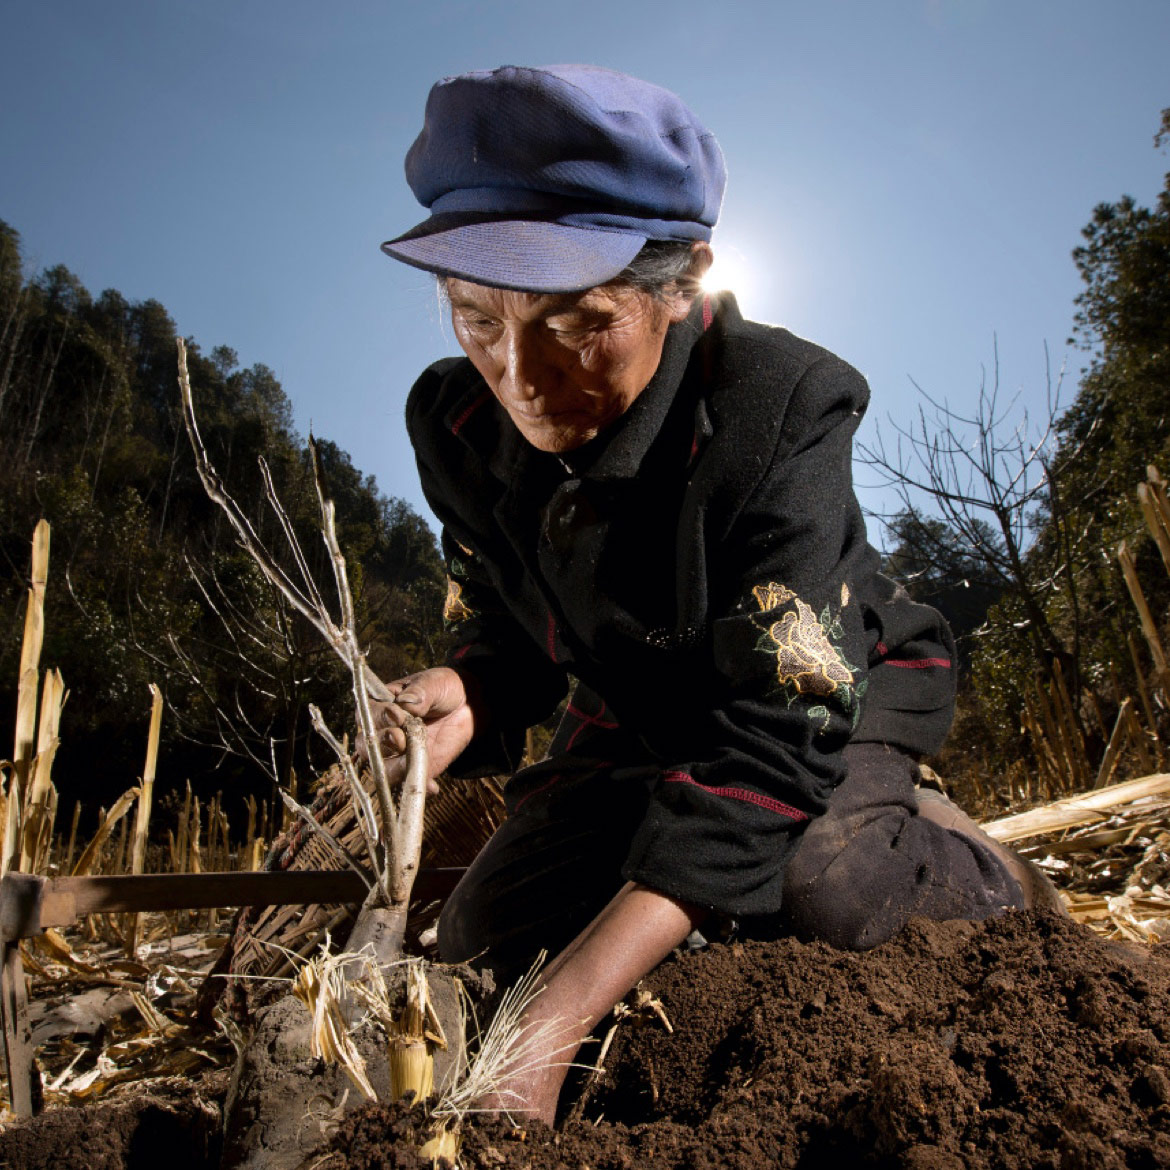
(645, 493)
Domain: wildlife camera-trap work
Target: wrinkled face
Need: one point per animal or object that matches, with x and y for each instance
(563, 365)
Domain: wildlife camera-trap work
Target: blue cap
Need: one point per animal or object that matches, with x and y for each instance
(552, 179)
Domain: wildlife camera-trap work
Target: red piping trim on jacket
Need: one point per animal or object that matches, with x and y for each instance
(586, 721)
(708, 313)
(910, 663)
(537, 791)
(748, 797)
(550, 782)
(457, 425)
(552, 637)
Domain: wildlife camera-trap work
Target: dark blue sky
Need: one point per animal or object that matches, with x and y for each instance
(907, 178)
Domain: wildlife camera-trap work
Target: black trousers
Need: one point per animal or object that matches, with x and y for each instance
(860, 872)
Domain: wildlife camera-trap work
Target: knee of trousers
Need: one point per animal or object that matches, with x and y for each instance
(462, 922)
(851, 892)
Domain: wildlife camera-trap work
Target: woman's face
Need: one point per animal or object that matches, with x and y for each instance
(563, 365)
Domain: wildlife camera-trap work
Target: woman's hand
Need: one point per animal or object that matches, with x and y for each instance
(625, 942)
(439, 698)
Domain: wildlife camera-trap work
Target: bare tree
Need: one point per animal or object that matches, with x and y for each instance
(991, 475)
(393, 838)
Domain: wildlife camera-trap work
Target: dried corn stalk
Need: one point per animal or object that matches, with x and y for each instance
(12, 846)
(321, 986)
(1074, 811)
(89, 855)
(142, 821)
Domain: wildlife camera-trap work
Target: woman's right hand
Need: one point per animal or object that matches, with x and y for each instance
(439, 698)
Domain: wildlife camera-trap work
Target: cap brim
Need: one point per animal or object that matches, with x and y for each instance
(526, 255)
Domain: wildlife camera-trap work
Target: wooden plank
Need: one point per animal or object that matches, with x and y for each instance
(62, 901)
(18, 1051)
(68, 899)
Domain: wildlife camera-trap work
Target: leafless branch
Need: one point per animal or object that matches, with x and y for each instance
(294, 806)
(394, 851)
(987, 472)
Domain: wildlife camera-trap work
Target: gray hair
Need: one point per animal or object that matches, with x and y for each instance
(663, 269)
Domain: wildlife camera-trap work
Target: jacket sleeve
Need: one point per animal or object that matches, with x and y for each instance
(496, 656)
(912, 678)
(761, 735)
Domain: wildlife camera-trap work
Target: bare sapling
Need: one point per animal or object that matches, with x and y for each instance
(393, 839)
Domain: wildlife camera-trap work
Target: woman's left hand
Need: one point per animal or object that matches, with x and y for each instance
(439, 698)
(624, 943)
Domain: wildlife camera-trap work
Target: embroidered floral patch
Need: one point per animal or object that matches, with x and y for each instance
(771, 596)
(804, 655)
(807, 661)
(455, 609)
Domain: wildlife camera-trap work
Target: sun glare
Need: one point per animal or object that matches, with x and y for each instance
(729, 272)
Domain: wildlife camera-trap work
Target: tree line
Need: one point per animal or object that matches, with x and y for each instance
(1010, 525)
(146, 582)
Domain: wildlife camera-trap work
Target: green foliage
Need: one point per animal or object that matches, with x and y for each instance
(146, 583)
(1067, 601)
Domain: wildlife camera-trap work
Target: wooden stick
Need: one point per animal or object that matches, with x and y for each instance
(44, 847)
(41, 796)
(118, 862)
(250, 834)
(195, 861)
(18, 1049)
(68, 865)
(212, 830)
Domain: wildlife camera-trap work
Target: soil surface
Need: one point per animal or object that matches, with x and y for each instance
(1025, 1041)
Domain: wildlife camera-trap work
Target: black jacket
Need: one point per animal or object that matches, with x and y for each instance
(702, 568)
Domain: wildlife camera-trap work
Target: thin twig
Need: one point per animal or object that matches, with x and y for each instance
(367, 820)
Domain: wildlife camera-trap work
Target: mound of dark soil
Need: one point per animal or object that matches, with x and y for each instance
(168, 1122)
(1021, 1042)
(1015, 1043)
